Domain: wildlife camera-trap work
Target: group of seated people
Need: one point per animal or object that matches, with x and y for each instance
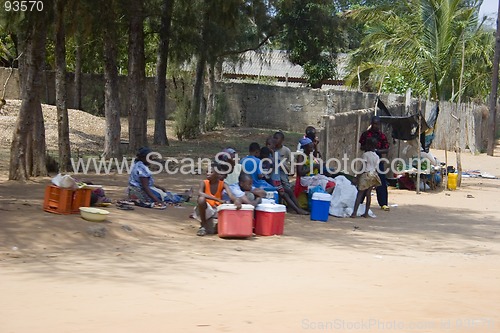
(265, 169)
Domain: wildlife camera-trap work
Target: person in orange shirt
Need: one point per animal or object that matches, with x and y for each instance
(210, 196)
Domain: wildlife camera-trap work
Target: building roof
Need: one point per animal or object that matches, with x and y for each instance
(271, 63)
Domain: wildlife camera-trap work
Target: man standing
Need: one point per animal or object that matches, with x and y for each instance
(382, 148)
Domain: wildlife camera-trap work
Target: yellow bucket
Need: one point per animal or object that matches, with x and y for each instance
(452, 181)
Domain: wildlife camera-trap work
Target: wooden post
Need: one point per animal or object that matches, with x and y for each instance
(359, 81)
(408, 101)
(494, 87)
(419, 155)
(358, 130)
(445, 161)
(326, 136)
(457, 148)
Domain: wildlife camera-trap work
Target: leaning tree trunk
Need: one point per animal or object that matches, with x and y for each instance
(137, 113)
(30, 69)
(111, 97)
(78, 71)
(160, 135)
(61, 95)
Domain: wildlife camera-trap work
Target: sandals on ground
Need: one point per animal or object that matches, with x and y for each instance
(124, 207)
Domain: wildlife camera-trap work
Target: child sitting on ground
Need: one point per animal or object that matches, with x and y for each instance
(368, 178)
(210, 196)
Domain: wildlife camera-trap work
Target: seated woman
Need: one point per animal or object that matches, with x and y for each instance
(142, 189)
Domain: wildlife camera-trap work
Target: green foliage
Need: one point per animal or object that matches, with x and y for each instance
(312, 36)
(418, 45)
(8, 50)
(317, 71)
(185, 126)
(216, 119)
(93, 99)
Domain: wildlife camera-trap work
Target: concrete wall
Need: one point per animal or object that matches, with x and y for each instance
(13, 86)
(470, 133)
(342, 132)
(288, 108)
(92, 92)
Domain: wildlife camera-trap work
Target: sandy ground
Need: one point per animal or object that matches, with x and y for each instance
(428, 265)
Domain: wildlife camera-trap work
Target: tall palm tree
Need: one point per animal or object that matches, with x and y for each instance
(417, 44)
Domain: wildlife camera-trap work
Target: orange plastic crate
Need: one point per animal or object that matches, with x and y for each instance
(65, 201)
(81, 198)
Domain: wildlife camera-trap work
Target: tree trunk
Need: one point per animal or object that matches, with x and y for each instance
(30, 70)
(211, 121)
(38, 144)
(62, 110)
(160, 135)
(199, 113)
(137, 113)
(219, 73)
(111, 97)
(78, 72)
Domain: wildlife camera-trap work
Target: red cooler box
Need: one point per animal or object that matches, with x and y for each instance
(235, 223)
(269, 219)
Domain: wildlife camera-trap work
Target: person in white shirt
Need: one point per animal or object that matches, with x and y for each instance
(227, 156)
(368, 178)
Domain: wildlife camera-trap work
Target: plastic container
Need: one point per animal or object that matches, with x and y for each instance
(93, 214)
(273, 195)
(452, 181)
(234, 223)
(320, 206)
(269, 219)
(60, 200)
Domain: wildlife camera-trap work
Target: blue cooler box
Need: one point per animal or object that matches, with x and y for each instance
(320, 206)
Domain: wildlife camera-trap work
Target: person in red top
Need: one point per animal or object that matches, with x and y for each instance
(381, 148)
(209, 197)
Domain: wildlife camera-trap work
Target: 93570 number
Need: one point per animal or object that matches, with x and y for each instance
(23, 6)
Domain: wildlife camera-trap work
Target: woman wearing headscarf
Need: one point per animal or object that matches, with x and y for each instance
(142, 188)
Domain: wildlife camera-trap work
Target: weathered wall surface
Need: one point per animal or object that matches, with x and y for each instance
(285, 108)
(342, 132)
(92, 99)
(12, 88)
(289, 108)
(469, 133)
